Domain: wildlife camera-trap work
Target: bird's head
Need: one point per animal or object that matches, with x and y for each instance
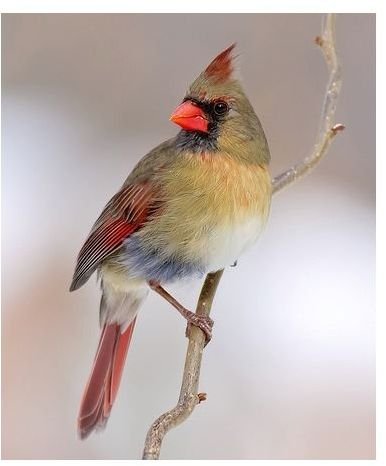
(216, 115)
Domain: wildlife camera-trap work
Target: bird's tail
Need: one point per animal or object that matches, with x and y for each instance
(106, 373)
(102, 386)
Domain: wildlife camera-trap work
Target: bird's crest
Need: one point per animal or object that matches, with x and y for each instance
(221, 68)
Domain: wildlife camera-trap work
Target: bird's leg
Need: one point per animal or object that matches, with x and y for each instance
(205, 323)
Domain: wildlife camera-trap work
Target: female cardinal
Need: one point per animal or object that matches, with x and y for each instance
(191, 206)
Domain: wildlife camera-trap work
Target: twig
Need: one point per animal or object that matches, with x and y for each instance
(189, 397)
(327, 129)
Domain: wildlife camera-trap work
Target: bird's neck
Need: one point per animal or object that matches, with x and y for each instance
(246, 151)
(195, 141)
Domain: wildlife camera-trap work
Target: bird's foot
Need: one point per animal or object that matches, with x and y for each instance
(204, 323)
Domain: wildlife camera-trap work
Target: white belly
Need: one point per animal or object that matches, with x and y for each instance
(227, 243)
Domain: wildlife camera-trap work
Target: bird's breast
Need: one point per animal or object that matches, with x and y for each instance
(214, 209)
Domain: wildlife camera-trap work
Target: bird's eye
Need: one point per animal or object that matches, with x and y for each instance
(221, 108)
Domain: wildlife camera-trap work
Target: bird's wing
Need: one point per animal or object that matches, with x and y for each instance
(125, 213)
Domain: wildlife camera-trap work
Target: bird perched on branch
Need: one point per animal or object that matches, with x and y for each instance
(191, 206)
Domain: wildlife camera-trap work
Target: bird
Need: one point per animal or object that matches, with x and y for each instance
(191, 206)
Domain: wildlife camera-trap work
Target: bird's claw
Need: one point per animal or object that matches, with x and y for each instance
(204, 323)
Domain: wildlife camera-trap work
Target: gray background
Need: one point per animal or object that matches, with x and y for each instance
(290, 371)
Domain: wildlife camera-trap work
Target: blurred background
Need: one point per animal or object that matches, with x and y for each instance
(84, 96)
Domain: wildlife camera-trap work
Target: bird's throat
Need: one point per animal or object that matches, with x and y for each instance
(196, 141)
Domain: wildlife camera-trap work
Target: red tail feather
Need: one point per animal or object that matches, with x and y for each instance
(103, 384)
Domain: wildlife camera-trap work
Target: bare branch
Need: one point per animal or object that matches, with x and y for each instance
(189, 397)
(327, 129)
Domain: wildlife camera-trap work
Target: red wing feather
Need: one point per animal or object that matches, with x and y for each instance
(124, 214)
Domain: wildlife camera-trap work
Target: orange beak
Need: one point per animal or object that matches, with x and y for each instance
(190, 117)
